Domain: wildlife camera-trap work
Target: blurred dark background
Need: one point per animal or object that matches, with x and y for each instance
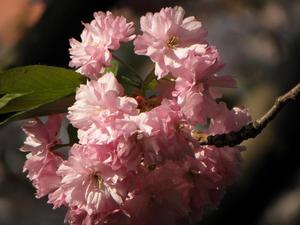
(258, 40)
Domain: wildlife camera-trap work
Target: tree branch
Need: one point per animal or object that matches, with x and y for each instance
(252, 129)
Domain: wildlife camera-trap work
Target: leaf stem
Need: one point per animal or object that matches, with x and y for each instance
(150, 76)
(128, 66)
(130, 82)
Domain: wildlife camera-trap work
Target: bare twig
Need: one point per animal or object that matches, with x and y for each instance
(252, 129)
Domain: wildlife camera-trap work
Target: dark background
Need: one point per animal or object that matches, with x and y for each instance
(258, 40)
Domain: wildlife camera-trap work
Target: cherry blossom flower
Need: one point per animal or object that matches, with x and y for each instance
(168, 38)
(42, 162)
(108, 131)
(197, 105)
(98, 39)
(198, 86)
(88, 183)
(158, 133)
(77, 216)
(213, 169)
(229, 120)
(159, 196)
(201, 69)
(100, 101)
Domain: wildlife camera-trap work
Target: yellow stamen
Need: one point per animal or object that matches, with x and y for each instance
(173, 42)
(98, 180)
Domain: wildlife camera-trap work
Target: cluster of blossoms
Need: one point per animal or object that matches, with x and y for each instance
(135, 163)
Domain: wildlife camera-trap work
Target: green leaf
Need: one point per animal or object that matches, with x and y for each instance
(149, 78)
(130, 87)
(31, 90)
(113, 68)
(38, 78)
(59, 106)
(34, 100)
(151, 85)
(8, 97)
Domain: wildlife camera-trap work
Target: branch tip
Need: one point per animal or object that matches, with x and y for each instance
(252, 129)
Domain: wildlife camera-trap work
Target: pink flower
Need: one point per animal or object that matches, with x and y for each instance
(77, 216)
(158, 133)
(100, 36)
(159, 148)
(160, 195)
(168, 38)
(100, 101)
(201, 69)
(163, 118)
(41, 162)
(106, 132)
(197, 105)
(41, 136)
(229, 120)
(127, 153)
(197, 86)
(220, 168)
(42, 167)
(88, 183)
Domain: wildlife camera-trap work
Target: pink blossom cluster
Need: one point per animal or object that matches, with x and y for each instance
(135, 163)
